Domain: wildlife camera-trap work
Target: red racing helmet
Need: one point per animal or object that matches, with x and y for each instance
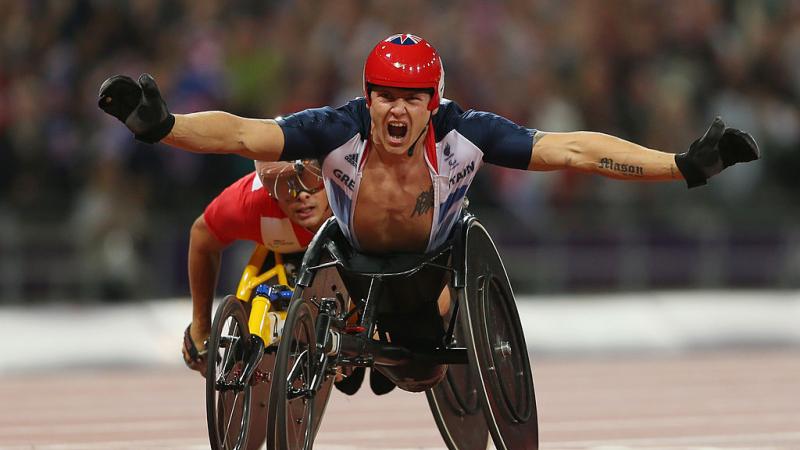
(405, 61)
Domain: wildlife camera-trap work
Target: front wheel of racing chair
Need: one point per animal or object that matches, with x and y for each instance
(303, 374)
(227, 403)
(303, 377)
(291, 403)
(241, 352)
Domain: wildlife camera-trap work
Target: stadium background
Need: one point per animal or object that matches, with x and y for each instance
(88, 213)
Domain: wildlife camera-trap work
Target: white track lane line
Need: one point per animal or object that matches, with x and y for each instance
(693, 441)
(669, 422)
(49, 429)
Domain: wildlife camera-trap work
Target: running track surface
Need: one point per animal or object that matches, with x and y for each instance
(746, 399)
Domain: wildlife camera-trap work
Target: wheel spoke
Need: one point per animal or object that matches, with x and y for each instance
(230, 417)
(309, 420)
(297, 367)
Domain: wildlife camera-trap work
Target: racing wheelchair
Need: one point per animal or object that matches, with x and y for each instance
(472, 363)
(244, 335)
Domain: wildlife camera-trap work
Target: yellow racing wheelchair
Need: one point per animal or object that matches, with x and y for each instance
(241, 350)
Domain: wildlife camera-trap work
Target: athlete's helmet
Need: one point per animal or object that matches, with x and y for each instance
(406, 61)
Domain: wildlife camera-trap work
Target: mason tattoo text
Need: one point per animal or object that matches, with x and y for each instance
(627, 169)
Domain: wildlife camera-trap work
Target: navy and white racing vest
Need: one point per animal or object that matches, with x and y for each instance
(464, 140)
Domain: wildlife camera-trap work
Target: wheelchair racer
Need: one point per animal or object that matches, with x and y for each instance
(280, 205)
(398, 162)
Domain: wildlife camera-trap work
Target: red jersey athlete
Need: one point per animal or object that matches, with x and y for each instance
(280, 208)
(280, 205)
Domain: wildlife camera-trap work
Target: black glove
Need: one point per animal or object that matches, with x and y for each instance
(194, 357)
(138, 105)
(719, 148)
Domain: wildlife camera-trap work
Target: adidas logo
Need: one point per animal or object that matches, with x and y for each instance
(352, 158)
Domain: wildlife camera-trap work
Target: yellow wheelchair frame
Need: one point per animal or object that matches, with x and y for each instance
(236, 382)
(262, 322)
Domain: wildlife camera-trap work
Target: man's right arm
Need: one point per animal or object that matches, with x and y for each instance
(205, 254)
(221, 132)
(139, 105)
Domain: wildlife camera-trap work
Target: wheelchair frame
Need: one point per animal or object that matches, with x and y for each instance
(336, 344)
(238, 344)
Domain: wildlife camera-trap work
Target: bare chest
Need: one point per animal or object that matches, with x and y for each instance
(394, 209)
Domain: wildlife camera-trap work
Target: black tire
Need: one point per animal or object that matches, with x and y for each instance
(456, 405)
(227, 411)
(496, 346)
(289, 413)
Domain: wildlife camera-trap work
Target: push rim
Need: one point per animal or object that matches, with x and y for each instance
(228, 410)
(505, 350)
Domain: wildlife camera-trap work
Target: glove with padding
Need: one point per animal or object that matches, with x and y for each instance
(737, 146)
(718, 149)
(195, 358)
(138, 105)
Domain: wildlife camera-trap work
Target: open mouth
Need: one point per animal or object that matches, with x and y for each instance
(397, 131)
(305, 212)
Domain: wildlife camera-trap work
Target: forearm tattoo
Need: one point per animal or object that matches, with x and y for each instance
(424, 203)
(625, 169)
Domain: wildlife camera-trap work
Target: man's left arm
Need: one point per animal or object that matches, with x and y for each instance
(613, 157)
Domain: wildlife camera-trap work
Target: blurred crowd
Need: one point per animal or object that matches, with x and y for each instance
(655, 72)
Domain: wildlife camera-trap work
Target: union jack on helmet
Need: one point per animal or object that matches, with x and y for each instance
(405, 61)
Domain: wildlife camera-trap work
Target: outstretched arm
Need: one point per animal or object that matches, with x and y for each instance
(221, 132)
(138, 104)
(613, 157)
(602, 154)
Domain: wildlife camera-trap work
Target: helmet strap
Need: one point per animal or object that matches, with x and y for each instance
(424, 130)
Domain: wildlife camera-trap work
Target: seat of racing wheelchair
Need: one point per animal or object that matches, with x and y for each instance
(396, 264)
